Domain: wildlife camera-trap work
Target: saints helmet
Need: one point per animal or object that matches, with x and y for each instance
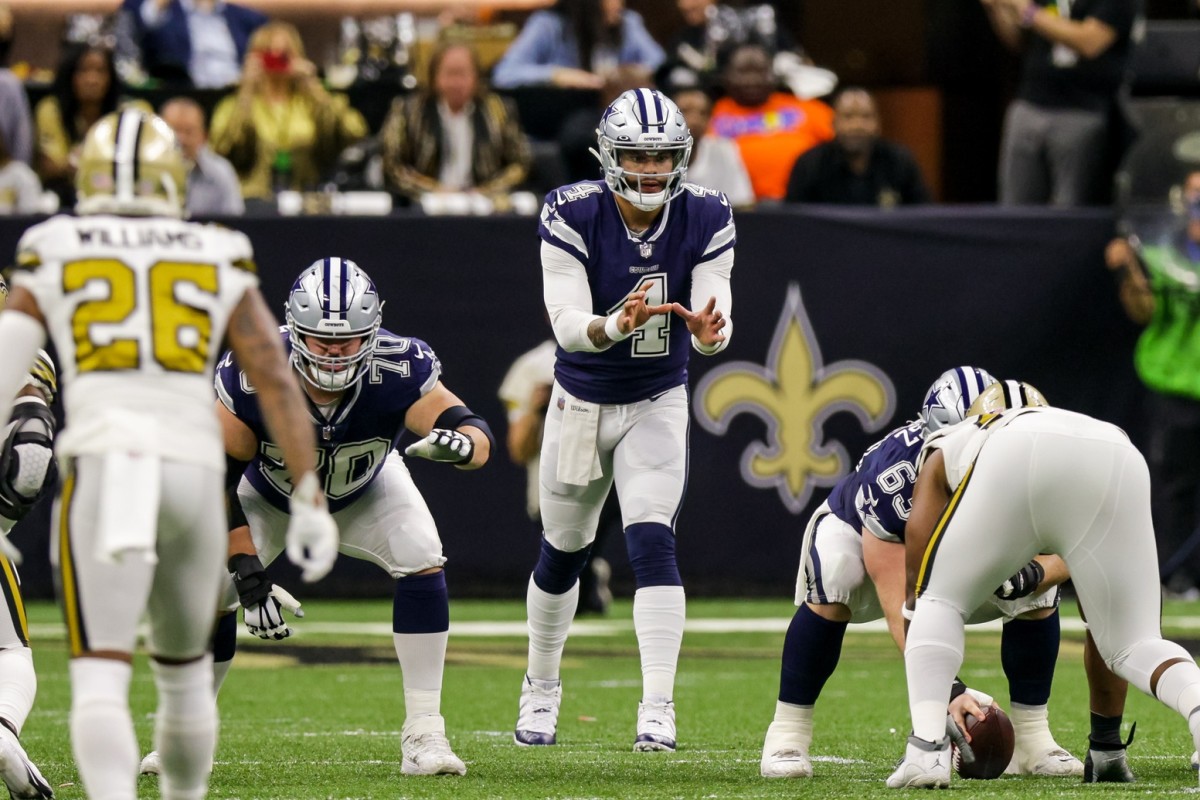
(130, 164)
(1004, 395)
(3, 291)
(645, 120)
(950, 396)
(333, 300)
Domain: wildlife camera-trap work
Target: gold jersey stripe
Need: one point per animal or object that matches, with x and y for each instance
(938, 530)
(16, 606)
(246, 265)
(27, 259)
(44, 373)
(66, 566)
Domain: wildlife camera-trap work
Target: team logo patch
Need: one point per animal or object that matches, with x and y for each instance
(794, 393)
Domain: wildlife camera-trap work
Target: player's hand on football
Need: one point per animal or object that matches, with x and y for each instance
(965, 703)
(312, 535)
(1024, 583)
(450, 447)
(705, 324)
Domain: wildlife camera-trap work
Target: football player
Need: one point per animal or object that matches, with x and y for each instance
(636, 273)
(365, 387)
(135, 301)
(1011, 481)
(852, 570)
(26, 472)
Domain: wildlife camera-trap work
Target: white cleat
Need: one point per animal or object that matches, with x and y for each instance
(792, 763)
(151, 764)
(1055, 763)
(20, 775)
(1195, 759)
(537, 719)
(655, 728)
(426, 749)
(926, 765)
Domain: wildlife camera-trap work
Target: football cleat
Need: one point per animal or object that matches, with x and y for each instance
(1107, 766)
(655, 728)
(20, 775)
(1055, 762)
(426, 750)
(537, 719)
(1195, 760)
(151, 764)
(926, 765)
(785, 753)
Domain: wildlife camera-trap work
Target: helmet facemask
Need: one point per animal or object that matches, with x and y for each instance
(335, 301)
(643, 121)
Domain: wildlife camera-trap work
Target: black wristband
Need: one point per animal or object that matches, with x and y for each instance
(957, 689)
(249, 578)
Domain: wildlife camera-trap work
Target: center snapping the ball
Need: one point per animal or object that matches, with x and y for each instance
(992, 741)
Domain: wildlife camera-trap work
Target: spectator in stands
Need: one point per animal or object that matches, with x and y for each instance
(454, 135)
(197, 42)
(695, 52)
(577, 45)
(20, 189)
(1056, 142)
(716, 161)
(1159, 287)
(84, 90)
(213, 187)
(857, 167)
(16, 123)
(772, 128)
(281, 129)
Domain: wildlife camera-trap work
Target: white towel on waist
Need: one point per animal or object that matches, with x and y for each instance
(578, 459)
(130, 485)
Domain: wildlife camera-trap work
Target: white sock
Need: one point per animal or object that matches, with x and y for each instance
(932, 655)
(18, 685)
(422, 662)
(1031, 728)
(220, 670)
(106, 750)
(550, 618)
(792, 727)
(658, 617)
(185, 732)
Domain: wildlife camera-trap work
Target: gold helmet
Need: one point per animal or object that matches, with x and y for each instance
(130, 164)
(3, 290)
(1003, 395)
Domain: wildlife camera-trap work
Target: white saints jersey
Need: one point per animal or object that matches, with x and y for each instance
(137, 310)
(960, 444)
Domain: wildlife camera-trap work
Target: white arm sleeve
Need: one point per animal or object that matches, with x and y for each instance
(568, 299)
(23, 336)
(711, 279)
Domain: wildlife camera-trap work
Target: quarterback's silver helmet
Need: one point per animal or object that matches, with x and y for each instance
(646, 121)
(950, 396)
(334, 301)
(1003, 395)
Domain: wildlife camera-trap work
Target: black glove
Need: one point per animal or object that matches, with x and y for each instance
(263, 601)
(1023, 583)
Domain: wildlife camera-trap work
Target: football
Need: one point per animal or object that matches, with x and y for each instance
(992, 741)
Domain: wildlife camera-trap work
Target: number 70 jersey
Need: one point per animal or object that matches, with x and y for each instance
(137, 309)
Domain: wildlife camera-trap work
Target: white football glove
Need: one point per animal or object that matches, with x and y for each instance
(443, 445)
(312, 535)
(265, 619)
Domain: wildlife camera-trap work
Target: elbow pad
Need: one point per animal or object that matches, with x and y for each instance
(456, 416)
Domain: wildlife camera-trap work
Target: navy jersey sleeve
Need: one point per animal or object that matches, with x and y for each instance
(886, 475)
(566, 214)
(717, 231)
(234, 391)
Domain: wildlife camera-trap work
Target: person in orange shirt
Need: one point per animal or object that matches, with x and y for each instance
(770, 127)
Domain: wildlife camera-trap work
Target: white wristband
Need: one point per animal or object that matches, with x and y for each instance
(612, 331)
(905, 611)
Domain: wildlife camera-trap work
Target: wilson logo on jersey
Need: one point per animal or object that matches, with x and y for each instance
(794, 393)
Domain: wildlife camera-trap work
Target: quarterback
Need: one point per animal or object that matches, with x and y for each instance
(624, 261)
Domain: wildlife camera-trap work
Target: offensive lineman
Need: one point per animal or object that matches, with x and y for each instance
(992, 492)
(26, 471)
(365, 386)
(618, 257)
(135, 300)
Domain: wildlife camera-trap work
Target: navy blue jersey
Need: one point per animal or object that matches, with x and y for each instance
(583, 220)
(878, 494)
(354, 440)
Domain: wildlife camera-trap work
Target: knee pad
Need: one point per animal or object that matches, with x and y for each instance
(557, 570)
(1137, 662)
(651, 547)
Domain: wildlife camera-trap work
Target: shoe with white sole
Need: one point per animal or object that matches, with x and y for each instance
(151, 764)
(655, 728)
(537, 719)
(426, 750)
(785, 752)
(1054, 762)
(926, 765)
(20, 775)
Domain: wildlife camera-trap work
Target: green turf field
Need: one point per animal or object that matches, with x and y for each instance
(318, 716)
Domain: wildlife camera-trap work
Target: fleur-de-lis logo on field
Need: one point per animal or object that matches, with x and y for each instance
(794, 393)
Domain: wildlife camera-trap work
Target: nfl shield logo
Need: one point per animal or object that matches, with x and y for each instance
(646, 249)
